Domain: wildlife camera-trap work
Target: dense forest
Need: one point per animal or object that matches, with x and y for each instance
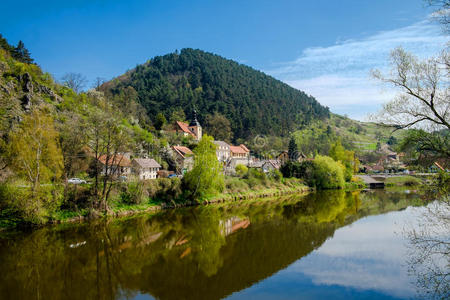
(252, 101)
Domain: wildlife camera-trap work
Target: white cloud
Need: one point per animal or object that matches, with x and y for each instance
(338, 75)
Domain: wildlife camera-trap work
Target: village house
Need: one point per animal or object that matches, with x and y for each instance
(184, 158)
(223, 151)
(194, 128)
(145, 168)
(116, 165)
(270, 165)
(239, 155)
(240, 151)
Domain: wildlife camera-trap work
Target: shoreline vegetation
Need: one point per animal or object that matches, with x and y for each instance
(237, 190)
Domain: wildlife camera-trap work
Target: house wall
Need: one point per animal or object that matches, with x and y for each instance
(223, 153)
(122, 171)
(148, 173)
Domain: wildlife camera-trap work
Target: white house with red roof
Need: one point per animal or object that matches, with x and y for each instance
(193, 129)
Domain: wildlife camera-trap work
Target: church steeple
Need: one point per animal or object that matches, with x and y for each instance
(194, 121)
(195, 127)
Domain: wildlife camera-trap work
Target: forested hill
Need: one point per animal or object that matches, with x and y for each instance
(254, 102)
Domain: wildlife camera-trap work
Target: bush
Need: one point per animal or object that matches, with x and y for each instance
(133, 193)
(276, 175)
(241, 170)
(235, 185)
(20, 205)
(327, 173)
(297, 169)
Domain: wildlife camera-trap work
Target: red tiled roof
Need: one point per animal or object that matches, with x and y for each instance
(239, 149)
(119, 160)
(185, 128)
(245, 148)
(182, 150)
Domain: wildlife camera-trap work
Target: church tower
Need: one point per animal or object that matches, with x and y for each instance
(195, 127)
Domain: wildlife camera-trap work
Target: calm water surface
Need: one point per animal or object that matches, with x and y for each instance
(327, 245)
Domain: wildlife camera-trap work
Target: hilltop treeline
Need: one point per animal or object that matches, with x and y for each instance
(252, 101)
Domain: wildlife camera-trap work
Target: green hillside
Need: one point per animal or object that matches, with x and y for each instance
(252, 101)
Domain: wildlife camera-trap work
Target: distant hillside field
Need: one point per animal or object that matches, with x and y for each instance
(252, 101)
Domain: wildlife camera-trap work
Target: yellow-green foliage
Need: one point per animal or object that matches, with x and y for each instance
(327, 173)
(34, 149)
(206, 177)
(241, 170)
(346, 157)
(21, 205)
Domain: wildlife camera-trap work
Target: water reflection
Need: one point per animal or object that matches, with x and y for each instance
(429, 250)
(196, 253)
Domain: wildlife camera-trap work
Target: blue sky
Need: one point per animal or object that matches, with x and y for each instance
(325, 48)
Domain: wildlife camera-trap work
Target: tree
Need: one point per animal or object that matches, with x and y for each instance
(73, 138)
(327, 174)
(292, 149)
(206, 176)
(219, 127)
(160, 121)
(107, 138)
(22, 54)
(178, 115)
(98, 82)
(75, 81)
(34, 150)
(424, 92)
(346, 157)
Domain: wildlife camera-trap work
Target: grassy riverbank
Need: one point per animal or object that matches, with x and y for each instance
(129, 198)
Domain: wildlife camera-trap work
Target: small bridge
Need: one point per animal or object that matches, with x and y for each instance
(372, 183)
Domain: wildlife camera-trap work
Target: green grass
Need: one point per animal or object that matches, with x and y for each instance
(63, 215)
(402, 181)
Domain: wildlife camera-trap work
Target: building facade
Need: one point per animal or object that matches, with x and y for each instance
(145, 168)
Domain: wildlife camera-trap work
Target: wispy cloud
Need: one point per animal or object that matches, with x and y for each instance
(338, 75)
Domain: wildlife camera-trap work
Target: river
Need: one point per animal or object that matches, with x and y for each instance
(324, 245)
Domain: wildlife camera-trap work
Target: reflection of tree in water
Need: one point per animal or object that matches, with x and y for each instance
(184, 253)
(429, 251)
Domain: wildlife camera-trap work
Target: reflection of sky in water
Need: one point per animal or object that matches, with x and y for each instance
(365, 260)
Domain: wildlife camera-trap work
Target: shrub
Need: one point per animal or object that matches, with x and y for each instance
(235, 185)
(21, 205)
(276, 175)
(133, 193)
(241, 170)
(327, 173)
(297, 169)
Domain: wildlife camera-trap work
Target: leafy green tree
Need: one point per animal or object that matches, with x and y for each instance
(219, 127)
(160, 121)
(206, 177)
(34, 150)
(178, 115)
(346, 157)
(327, 174)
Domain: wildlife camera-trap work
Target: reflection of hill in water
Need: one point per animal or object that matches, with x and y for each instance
(179, 254)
